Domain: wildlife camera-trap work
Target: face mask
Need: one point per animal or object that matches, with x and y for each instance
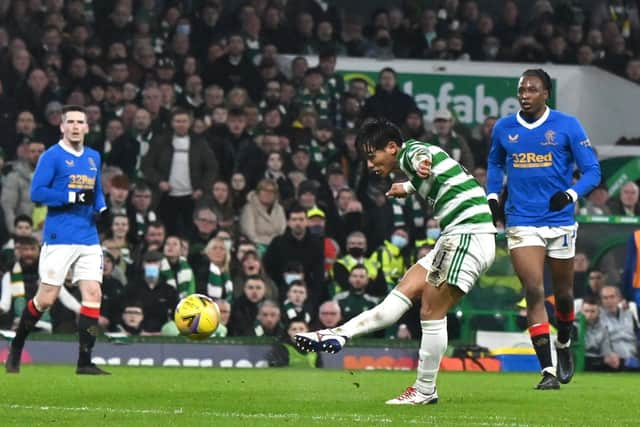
(433, 233)
(183, 29)
(316, 230)
(399, 241)
(152, 271)
(356, 252)
(292, 277)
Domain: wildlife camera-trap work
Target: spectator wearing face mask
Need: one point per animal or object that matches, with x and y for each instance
(356, 251)
(393, 256)
(157, 298)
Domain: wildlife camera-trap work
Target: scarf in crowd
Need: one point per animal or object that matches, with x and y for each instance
(410, 205)
(219, 285)
(322, 153)
(142, 221)
(18, 295)
(183, 281)
(292, 311)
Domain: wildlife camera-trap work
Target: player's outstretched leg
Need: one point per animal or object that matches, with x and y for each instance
(432, 348)
(333, 340)
(323, 340)
(30, 316)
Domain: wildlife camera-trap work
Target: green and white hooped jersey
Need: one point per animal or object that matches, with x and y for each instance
(459, 202)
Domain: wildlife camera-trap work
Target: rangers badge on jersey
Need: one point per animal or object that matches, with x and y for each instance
(549, 138)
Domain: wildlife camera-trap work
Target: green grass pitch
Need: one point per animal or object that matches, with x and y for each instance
(54, 395)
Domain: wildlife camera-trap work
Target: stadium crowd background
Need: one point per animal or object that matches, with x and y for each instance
(231, 170)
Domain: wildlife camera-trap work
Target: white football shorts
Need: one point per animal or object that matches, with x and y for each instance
(560, 242)
(84, 261)
(459, 259)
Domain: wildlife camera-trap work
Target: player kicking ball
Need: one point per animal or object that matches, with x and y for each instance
(465, 250)
(67, 181)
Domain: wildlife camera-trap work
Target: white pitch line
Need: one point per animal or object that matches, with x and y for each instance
(366, 419)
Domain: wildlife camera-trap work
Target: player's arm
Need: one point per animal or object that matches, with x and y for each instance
(587, 162)
(588, 165)
(41, 184)
(417, 160)
(100, 205)
(495, 174)
(43, 192)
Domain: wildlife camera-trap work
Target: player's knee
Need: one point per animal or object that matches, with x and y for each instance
(44, 301)
(91, 292)
(534, 295)
(432, 311)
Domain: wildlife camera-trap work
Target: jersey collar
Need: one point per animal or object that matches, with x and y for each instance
(70, 150)
(535, 124)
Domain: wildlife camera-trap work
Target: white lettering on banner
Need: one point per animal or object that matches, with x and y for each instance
(226, 363)
(467, 109)
(173, 362)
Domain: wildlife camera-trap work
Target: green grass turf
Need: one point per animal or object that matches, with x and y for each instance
(54, 395)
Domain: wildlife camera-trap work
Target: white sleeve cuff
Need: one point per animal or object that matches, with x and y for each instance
(72, 197)
(408, 187)
(574, 196)
(493, 196)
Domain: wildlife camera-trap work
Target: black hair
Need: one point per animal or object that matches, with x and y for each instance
(68, 108)
(358, 267)
(388, 70)
(236, 112)
(178, 111)
(297, 209)
(327, 52)
(590, 299)
(23, 218)
(376, 133)
(26, 241)
(297, 283)
(542, 75)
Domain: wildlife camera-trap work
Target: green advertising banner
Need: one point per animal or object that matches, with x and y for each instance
(618, 170)
(470, 98)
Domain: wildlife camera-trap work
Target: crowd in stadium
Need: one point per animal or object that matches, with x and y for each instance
(231, 170)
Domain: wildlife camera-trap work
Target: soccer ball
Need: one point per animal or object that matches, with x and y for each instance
(197, 316)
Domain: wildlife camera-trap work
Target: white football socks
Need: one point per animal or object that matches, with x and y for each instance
(432, 348)
(379, 317)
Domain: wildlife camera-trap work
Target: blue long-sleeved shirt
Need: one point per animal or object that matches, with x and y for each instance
(60, 171)
(539, 159)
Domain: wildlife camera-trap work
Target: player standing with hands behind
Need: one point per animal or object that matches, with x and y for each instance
(539, 148)
(67, 181)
